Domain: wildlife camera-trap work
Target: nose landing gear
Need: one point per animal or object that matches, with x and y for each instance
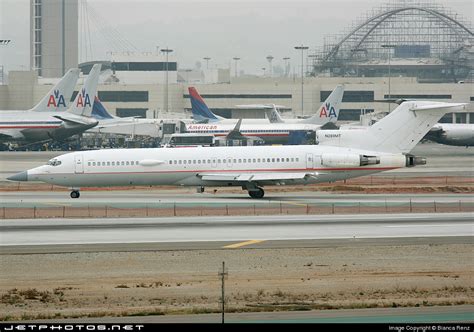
(75, 194)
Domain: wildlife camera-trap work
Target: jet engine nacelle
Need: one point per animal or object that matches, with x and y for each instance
(348, 160)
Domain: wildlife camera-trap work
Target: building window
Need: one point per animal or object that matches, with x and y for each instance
(137, 112)
(352, 114)
(351, 96)
(243, 96)
(123, 96)
(419, 96)
(144, 66)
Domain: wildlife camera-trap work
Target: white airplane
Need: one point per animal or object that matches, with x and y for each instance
(51, 119)
(125, 126)
(383, 146)
(459, 134)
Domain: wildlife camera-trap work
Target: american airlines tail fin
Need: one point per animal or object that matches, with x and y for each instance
(199, 108)
(329, 110)
(274, 115)
(397, 132)
(58, 98)
(85, 98)
(99, 112)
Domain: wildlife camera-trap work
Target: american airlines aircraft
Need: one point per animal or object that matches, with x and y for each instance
(49, 119)
(383, 146)
(327, 112)
(272, 133)
(459, 134)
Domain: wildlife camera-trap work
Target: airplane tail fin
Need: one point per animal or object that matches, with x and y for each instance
(398, 132)
(329, 110)
(85, 98)
(274, 115)
(58, 98)
(199, 108)
(99, 112)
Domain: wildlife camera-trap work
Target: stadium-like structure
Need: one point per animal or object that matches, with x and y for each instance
(402, 38)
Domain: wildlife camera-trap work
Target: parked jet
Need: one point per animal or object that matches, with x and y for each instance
(271, 133)
(46, 121)
(459, 134)
(125, 126)
(328, 111)
(383, 146)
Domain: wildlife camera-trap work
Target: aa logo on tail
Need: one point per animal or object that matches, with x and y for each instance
(56, 99)
(327, 111)
(83, 99)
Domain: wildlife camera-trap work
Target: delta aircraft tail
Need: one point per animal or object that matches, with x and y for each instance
(99, 112)
(58, 98)
(397, 132)
(199, 108)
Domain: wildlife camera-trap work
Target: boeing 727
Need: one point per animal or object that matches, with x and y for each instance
(383, 146)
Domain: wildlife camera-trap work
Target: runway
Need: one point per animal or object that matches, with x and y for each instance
(231, 232)
(186, 198)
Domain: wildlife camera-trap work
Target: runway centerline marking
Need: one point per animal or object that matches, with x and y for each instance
(241, 244)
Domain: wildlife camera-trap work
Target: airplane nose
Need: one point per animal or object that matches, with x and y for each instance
(23, 176)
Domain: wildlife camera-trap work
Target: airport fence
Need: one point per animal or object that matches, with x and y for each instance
(270, 208)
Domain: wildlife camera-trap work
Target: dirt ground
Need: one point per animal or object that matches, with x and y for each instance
(97, 284)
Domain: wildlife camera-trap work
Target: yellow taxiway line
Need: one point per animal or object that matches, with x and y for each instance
(241, 244)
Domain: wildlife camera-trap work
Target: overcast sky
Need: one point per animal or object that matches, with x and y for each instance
(220, 29)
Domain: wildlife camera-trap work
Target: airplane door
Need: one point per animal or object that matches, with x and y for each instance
(309, 161)
(78, 164)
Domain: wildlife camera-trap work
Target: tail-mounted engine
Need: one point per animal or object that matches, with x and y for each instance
(412, 160)
(348, 160)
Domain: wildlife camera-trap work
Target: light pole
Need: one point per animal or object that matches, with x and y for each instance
(167, 51)
(302, 48)
(389, 46)
(269, 59)
(236, 59)
(286, 66)
(207, 61)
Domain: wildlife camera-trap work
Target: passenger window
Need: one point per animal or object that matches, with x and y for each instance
(184, 161)
(194, 161)
(171, 162)
(127, 163)
(235, 161)
(88, 163)
(199, 161)
(258, 160)
(218, 161)
(297, 159)
(108, 163)
(175, 162)
(209, 161)
(123, 163)
(278, 160)
(136, 162)
(180, 162)
(240, 160)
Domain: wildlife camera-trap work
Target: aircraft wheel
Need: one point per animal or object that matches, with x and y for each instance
(75, 194)
(257, 193)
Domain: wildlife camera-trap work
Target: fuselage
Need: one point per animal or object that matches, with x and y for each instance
(32, 126)
(185, 167)
(459, 134)
(271, 133)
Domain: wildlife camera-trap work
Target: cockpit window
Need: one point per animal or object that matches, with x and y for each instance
(54, 162)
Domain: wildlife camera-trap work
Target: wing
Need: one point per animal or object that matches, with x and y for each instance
(265, 177)
(76, 120)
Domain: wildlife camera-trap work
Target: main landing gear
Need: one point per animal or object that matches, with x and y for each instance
(75, 194)
(257, 193)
